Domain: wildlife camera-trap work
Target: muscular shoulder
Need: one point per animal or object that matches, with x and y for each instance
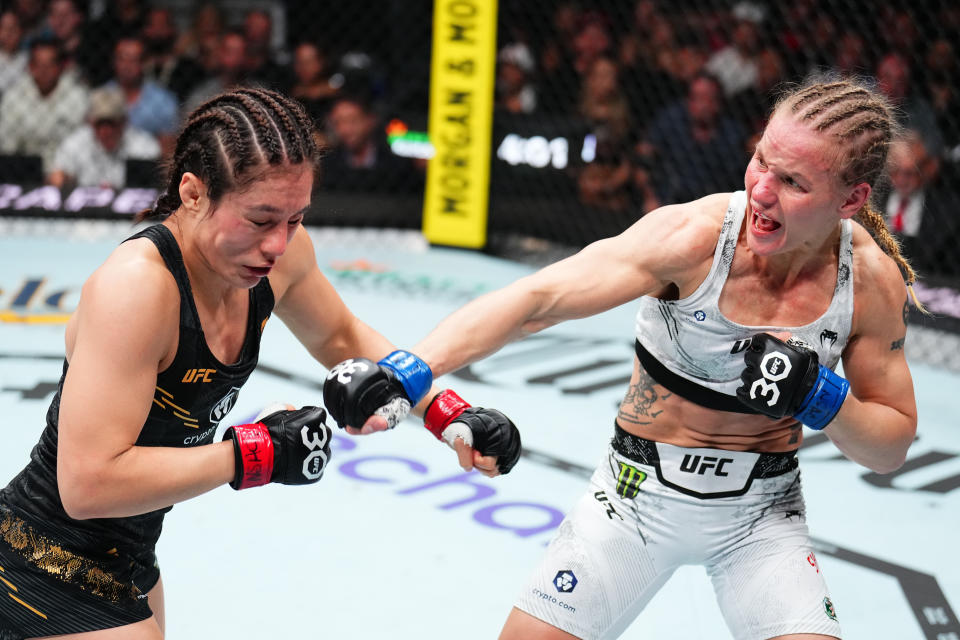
(879, 289)
(683, 236)
(132, 296)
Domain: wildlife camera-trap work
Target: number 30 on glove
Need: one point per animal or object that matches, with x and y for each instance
(287, 446)
(785, 379)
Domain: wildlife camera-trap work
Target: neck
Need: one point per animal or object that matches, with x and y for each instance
(786, 269)
(206, 284)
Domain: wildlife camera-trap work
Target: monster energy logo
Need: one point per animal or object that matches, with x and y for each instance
(628, 481)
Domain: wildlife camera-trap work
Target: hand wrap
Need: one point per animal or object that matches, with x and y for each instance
(486, 430)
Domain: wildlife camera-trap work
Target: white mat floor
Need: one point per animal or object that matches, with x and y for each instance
(395, 542)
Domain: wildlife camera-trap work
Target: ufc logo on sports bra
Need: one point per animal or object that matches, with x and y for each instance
(774, 367)
(198, 375)
(700, 465)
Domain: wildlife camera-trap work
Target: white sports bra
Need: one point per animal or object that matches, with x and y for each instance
(690, 341)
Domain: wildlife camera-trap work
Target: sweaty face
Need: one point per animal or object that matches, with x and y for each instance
(793, 195)
(249, 230)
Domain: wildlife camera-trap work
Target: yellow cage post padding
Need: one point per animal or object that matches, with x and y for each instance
(459, 126)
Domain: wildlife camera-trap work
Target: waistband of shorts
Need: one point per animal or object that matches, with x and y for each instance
(643, 451)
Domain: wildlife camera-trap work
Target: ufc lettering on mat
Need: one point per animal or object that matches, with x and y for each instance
(460, 122)
(774, 367)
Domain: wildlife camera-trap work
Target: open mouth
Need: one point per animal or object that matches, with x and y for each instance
(260, 272)
(762, 223)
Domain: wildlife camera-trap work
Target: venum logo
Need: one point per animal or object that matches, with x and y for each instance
(222, 408)
(828, 336)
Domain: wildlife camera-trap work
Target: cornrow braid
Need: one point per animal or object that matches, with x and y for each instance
(864, 123)
(231, 140)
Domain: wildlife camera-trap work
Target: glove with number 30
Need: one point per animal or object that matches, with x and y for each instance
(785, 379)
(287, 446)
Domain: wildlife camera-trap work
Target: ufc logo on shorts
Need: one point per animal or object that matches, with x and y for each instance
(774, 367)
(701, 464)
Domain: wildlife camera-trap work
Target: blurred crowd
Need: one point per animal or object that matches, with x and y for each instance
(676, 95)
(90, 92)
(673, 94)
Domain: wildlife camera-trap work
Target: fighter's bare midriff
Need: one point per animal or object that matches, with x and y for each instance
(650, 411)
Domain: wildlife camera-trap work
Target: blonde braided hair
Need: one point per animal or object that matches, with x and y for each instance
(864, 121)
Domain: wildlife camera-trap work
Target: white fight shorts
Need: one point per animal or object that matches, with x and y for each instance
(651, 508)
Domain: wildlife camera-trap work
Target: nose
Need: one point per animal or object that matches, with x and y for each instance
(764, 191)
(275, 242)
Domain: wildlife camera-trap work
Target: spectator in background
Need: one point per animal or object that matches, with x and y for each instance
(920, 209)
(312, 86)
(360, 159)
(150, 107)
(558, 78)
(751, 105)
(896, 81)
(515, 92)
(159, 35)
(31, 15)
(65, 21)
(231, 70)
(697, 148)
(563, 78)
(941, 78)
(642, 60)
(264, 66)
(120, 18)
(42, 107)
(605, 183)
(682, 62)
(13, 58)
(95, 155)
(851, 55)
(197, 51)
(735, 65)
(603, 104)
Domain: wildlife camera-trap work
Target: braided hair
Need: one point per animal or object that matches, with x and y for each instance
(863, 121)
(232, 139)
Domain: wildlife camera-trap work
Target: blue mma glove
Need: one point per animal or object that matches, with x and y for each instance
(785, 379)
(358, 388)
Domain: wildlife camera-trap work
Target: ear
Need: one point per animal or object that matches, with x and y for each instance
(193, 193)
(855, 200)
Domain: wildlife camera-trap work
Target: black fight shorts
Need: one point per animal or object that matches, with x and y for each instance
(47, 589)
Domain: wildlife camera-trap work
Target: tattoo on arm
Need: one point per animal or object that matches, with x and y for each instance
(639, 401)
(896, 345)
(795, 432)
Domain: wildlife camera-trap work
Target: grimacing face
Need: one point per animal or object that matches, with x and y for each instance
(250, 229)
(794, 196)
